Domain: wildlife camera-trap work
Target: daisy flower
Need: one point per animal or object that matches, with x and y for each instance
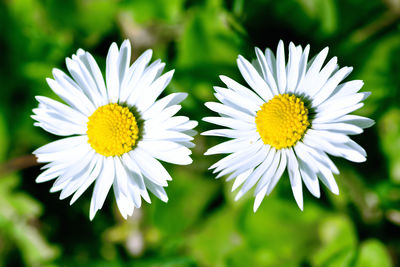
(115, 131)
(291, 118)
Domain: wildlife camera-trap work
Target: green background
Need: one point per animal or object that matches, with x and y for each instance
(201, 225)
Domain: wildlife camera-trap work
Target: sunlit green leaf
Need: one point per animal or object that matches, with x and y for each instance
(373, 254)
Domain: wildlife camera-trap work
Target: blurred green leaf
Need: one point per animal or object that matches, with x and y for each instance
(389, 131)
(166, 10)
(373, 254)
(323, 11)
(280, 231)
(207, 40)
(338, 242)
(4, 137)
(380, 73)
(18, 211)
(189, 195)
(208, 47)
(216, 239)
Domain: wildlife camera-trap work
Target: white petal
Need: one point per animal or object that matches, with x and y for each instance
(229, 146)
(228, 111)
(185, 127)
(308, 175)
(241, 178)
(271, 62)
(267, 73)
(65, 111)
(322, 77)
(259, 198)
(160, 134)
(231, 123)
(150, 167)
(342, 102)
(61, 144)
(315, 67)
(162, 117)
(178, 155)
(124, 58)
(327, 178)
(157, 190)
(84, 79)
(328, 136)
(102, 186)
(136, 185)
(121, 192)
(75, 170)
(233, 99)
(232, 160)
(149, 75)
(51, 173)
(70, 94)
(279, 171)
(242, 90)
(135, 194)
(280, 67)
(225, 162)
(125, 205)
(78, 180)
(328, 116)
(112, 76)
(163, 103)
(57, 125)
(133, 75)
(353, 151)
(245, 161)
(153, 91)
(317, 142)
(295, 178)
(258, 172)
(347, 88)
(316, 153)
(293, 68)
(69, 153)
(272, 161)
(348, 150)
(253, 79)
(121, 177)
(228, 133)
(302, 68)
(98, 167)
(343, 128)
(323, 172)
(330, 85)
(95, 71)
(359, 121)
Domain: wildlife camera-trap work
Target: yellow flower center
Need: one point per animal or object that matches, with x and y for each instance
(112, 130)
(282, 121)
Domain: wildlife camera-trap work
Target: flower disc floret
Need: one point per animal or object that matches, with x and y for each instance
(282, 121)
(112, 130)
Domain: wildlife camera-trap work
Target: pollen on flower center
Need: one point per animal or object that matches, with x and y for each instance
(112, 130)
(282, 121)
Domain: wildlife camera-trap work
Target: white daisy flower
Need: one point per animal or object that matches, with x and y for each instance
(117, 130)
(294, 115)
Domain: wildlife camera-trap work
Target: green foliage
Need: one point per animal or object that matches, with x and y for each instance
(373, 253)
(390, 131)
(201, 225)
(18, 214)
